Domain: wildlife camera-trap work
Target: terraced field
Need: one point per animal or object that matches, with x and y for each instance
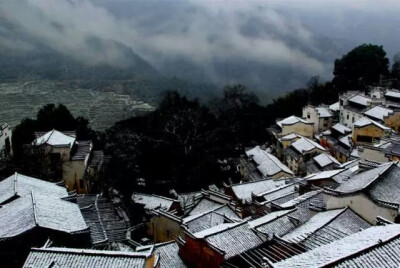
(103, 109)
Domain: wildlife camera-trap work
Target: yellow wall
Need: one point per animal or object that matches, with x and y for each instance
(369, 131)
(73, 172)
(163, 229)
(306, 130)
(362, 205)
(393, 121)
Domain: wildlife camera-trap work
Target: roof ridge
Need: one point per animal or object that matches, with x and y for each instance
(35, 219)
(203, 213)
(93, 252)
(233, 225)
(276, 189)
(358, 252)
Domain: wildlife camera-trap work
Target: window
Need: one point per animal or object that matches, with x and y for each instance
(81, 184)
(352, 120)
(348, 116)
(308, 116)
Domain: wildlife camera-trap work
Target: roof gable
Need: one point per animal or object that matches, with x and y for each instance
(55, 138)
(21, 185)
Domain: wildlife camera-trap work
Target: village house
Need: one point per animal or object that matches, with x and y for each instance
(32, 212)
(88, 258)
(264, 163)
(321, 162)
(370, 193)
(377, 246)
(366, 130)
(320, 116)
(76, 157)
(392, 152)
(108, 222)
(5, 140)
(212, 247)
(321, 229)
(352, 106)
(299, 152)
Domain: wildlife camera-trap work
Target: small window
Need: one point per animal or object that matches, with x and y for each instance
(352, 120)
(81, 184)
(308, 116)
(348, 116)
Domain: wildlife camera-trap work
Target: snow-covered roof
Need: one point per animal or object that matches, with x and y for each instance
(169, 255)
(151, 202)
(324, 174)
(209, 219)
(289, 137)
(304, 145)
(55, 138)
(231, 238)
(279, 192)
(244, 191)
(393, 94)
(268, 164)
(307, 197)
(269, 217)
(205, 205)
(378, 112)
(346, 140)
(88, 258)
(341, 128)
(21, 185)
(316, 222)
(360, 100)
(31, 211)
(387, 188)
(291, 120)
(340, 249)
(324, 160)
(363, 179)
(364, 121)
(334, 107)
(323, 112)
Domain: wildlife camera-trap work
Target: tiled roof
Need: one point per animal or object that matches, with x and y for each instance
(344, 248)
(291, 120)
(279, 192)
(103, 219)
(85, 258)
(341, 128)
(204, 206)
(386, 254)
(393, 149)
(305, 198)
(244, 191)
(81, 150)
(151, 202)
(393, 94)
(231, 238)
(169, 255)
(387, 187)
(378, 112)
(363, 179)
(364, 121)
(334, 107)
(268, 164)
(360, 100)
(198, 223)
(304, 145)
(30, 211)
(327, 226)
(324, 160)
(323, 112)
(21, 185)
(55, 138)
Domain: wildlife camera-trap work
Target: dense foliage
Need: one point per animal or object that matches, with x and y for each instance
(364, 65)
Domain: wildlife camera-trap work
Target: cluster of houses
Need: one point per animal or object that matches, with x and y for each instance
(324, 191)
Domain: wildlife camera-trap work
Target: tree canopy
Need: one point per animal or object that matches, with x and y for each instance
(363, 65)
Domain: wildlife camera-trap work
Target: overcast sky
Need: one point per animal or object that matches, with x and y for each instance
(282, 33)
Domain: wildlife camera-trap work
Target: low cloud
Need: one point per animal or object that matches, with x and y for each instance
(275, 33)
